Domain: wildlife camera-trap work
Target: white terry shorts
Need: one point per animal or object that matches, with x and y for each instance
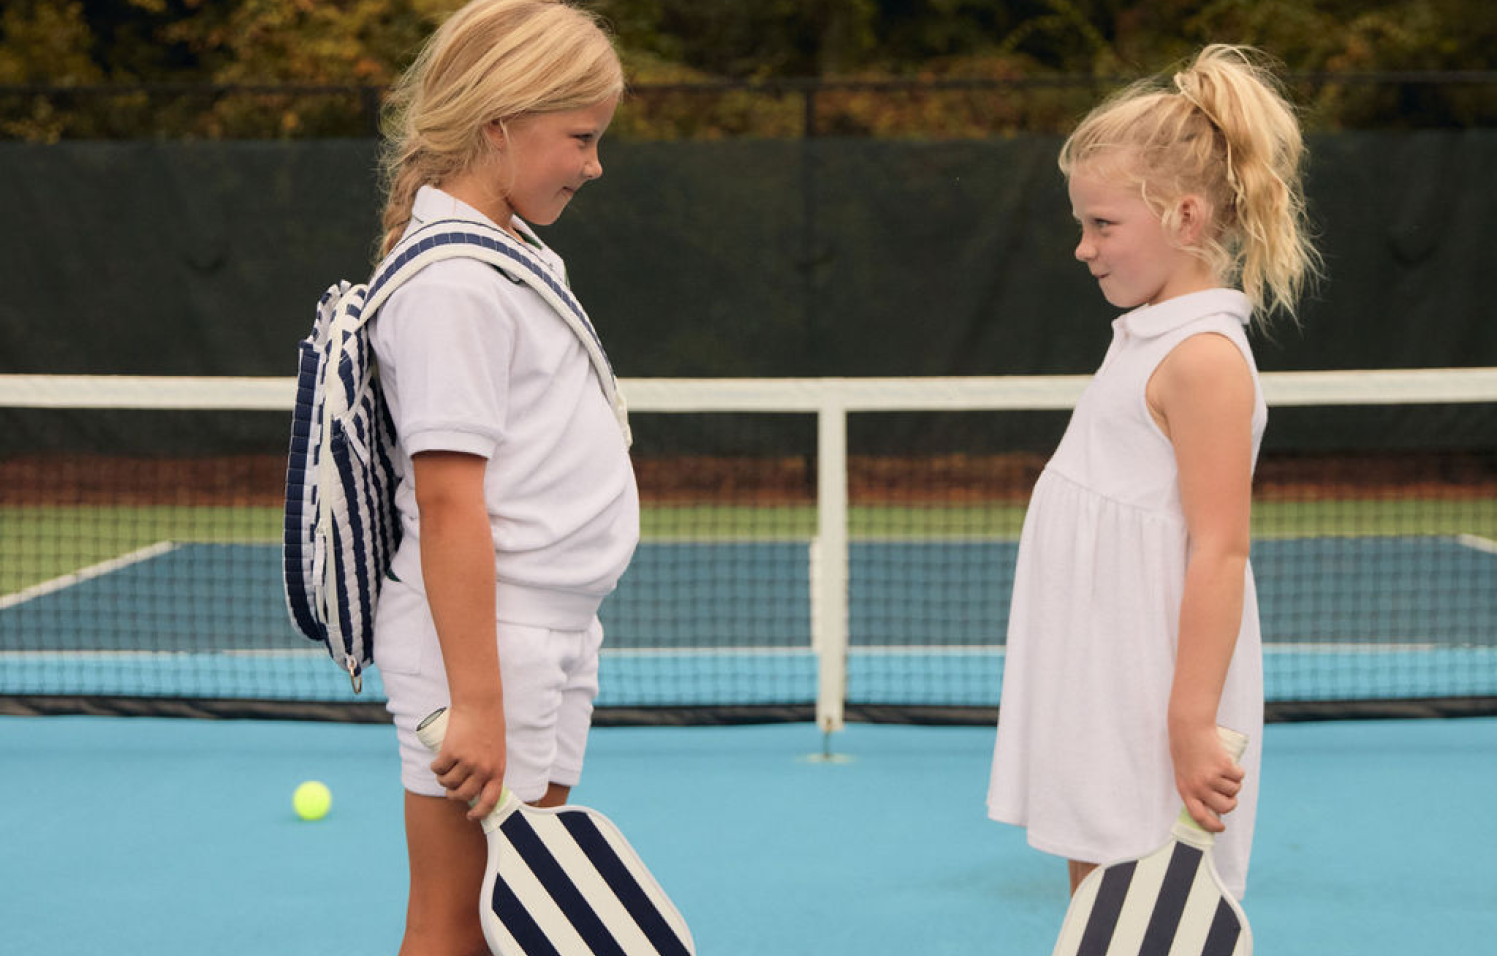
(550, 682)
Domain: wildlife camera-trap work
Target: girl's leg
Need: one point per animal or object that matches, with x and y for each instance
(556, 795)
(1079, 871)
(447, 855)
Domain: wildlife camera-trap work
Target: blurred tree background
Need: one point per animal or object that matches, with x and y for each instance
(713, 68)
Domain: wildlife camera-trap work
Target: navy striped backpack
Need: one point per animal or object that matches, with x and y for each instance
(341, 527)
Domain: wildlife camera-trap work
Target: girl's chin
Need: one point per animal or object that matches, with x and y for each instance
(546, 216)
(1121, 302)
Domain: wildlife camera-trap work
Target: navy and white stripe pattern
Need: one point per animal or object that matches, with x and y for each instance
(564, 882)
(1169, 903)
(341, 526)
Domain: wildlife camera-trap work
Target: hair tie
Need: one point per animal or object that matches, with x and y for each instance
(1181, 80)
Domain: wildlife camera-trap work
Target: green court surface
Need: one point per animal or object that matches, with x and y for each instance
(41, 543)
(1271, 519)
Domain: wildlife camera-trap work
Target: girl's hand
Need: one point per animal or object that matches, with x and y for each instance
(471, 762)
(1205, 775)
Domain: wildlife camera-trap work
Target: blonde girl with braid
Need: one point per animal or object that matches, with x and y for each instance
(1134, 624)
(517, 500)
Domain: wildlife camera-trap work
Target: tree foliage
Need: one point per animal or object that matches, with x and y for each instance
(741, 52)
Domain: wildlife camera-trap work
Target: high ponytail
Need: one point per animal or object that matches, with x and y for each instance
(1221, 130)
(491, 61)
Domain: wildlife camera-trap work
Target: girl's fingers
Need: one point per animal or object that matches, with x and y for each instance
(452, 779)
(1221, 803)
(1204, 816)
(488, 798)
(467, 791)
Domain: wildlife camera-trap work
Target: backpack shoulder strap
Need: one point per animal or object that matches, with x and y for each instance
(452, 238)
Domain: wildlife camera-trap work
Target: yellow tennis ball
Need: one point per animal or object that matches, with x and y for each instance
(312, 800)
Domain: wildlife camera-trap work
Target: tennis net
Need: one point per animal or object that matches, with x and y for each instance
(812, 548)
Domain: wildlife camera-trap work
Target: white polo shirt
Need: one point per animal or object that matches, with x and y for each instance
(473, 361)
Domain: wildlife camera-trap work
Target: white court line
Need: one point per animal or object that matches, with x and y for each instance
(39, 654)
(92, 571)
(798, 650)
(936, 538)
(928, 650)
(954, 650)
(98, 655)
(313, 651)
(688, 540)
(1398, 645)
(1477, 542)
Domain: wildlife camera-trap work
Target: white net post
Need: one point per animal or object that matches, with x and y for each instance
(829, 567)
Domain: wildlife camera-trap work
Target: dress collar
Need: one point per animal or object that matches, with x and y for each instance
(1152, 321)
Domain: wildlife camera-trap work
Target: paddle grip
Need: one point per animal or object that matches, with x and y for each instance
(1236, 743)
(433, 729)
(1186, 828)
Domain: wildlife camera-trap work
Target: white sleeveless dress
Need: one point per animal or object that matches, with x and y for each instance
(1082, 758)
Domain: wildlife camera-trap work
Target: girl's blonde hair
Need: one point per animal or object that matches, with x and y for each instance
(1220, 130)
(491, 61)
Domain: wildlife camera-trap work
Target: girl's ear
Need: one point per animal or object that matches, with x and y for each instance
(493, 131)
(1190, 220)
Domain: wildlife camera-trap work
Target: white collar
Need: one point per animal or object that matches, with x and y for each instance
(433, 203)
(1152, 321)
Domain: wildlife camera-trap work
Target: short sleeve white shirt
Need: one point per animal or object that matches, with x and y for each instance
(474, 361)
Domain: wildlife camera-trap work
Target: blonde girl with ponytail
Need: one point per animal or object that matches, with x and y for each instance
(488, 65)
(1133, 631)
(517, 497)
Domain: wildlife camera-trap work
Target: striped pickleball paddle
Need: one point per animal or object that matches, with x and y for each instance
(1169, 903)
(563, 881)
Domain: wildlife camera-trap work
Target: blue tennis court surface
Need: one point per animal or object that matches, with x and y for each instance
(729, 622)
(176, 837)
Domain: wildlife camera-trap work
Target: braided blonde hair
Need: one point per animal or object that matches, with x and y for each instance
(1221, 130)
(491, 61)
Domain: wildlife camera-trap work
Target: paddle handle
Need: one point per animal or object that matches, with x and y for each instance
(431, 732)
(433, 729)
(1236, 745)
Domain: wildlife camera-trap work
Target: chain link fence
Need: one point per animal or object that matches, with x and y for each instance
(783, 109)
